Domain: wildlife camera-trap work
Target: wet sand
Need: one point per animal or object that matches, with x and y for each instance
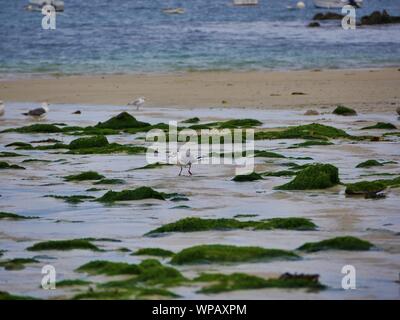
(368, 90)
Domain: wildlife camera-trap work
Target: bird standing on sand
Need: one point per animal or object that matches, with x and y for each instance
(138, 102)
(38, 112)
(2, 107)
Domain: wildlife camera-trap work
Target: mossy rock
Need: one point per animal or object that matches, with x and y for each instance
(122, 121)
(365, 188)
(282, 173)
(128, 195)
(369, 163)
(191, 120)
(87, 175)
(309, 131)
(110, 181)
(13, 216)
(316, 176)
(158, 252)
(344, 111)
(340, 243)
(247, 177)
(6, 154)
(71, 199)
(5, 165)
(155, 165)
(381, 125)
(108, 268)
(90, 142)
(193, 224)
(268, 154)
(72, 283)
(20, 144)
(8, 296)
(218, 253)
(17, 264)
(36, 128)
(310, 143)
(64, 245)
(242, 281)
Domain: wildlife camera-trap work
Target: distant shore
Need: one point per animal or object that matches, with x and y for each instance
(369, 90)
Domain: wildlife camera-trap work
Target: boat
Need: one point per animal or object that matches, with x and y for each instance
(245, 2)
(333, 4)
(174, 10)
(37, 5)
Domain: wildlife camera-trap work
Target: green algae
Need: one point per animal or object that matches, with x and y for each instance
(155, 165)
(5, 165)
(218, 253)
(268, 154)
(381, 125)
(245, 215)
(88, 142)
(71, 199)
(158, 252)
(87, 175)
(193, 224)
(369, 163)
(191, 120)
(13, 216)
(282, 173)
(365, 188)
(72, 283)
(35, 128)
(242, 281)
(108, 268)
(6, 154)
(17, 264)
(247, 177)
(7, 296)
(122, 121)
(35, 160)
(344, 111)
(338, 243)
(110, 181)
(316, 176)
(228, 124)
(64, 245)
(19, 144)
(128, 195)
(309, 131)
(310, 143)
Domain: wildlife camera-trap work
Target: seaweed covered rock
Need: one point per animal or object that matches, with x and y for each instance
(5, 165)
(122, 121)
(214, 253)
(314, 24)
(344, 111)
(36, 128)
(339, 243)
(82, 244)
(191, 120)
(247, 177)
(381, 125)
(17, 263)
(316, 176)
(193, 224)
(87, 175)
(369, 163)
(367, 188)
(377, 17)
(13, 216)
(158, 252)
(90, 142)
(127, 195)
(108, 268)
(308, 131)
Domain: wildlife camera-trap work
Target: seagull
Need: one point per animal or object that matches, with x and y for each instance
(185, 159)
(138, 102)
(1, 108)
(38, 112)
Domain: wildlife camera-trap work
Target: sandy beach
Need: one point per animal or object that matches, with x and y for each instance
(366, 90)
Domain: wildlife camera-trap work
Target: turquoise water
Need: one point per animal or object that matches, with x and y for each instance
(101, 36)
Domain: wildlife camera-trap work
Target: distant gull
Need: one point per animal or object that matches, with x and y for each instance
(38, 112)
(138, 102)
(2, 107)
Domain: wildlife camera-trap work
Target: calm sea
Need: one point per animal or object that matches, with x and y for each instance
(104, 36)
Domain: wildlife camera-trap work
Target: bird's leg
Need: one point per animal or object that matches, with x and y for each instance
(180, 172)
(190, 166)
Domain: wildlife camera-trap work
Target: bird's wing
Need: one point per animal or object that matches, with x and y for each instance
(36, 112)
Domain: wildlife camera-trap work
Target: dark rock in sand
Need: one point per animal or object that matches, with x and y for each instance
(377, 17)
(77, 112)
(314, 24)
(328, 16)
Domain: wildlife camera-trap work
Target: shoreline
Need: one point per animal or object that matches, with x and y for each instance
(361, 88)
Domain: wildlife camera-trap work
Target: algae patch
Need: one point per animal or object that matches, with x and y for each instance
(64, 245)
(339, 243)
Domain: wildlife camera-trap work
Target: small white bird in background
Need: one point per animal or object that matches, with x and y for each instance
(38, 112)
(138, 102)
(300, 5)
(2, 108)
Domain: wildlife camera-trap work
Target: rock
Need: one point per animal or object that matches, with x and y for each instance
(328, 16)
(377, 17)
(311, 113)
(77, 112)
(314, 24)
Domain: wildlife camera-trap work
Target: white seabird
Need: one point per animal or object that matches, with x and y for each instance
(38, 112)
(185, 159)
(2, 107)
(138, 102)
